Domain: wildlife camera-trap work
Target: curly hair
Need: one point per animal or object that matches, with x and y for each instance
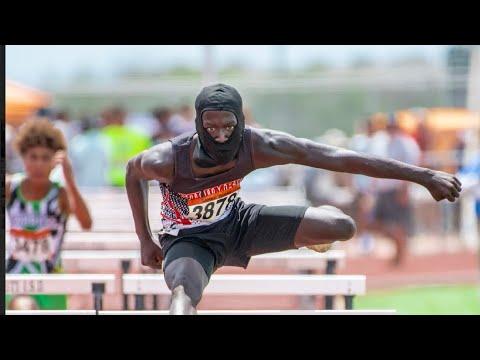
(39, 132)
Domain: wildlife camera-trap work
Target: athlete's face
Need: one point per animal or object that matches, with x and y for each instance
(219, 124)
(38, 162)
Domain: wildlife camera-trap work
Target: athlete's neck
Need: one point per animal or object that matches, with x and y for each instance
(35, 189)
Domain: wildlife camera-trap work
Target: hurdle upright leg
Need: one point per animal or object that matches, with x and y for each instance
(125, 269)
(330, 270)
(98, 289)
(349, 302)
(307, 302)
(139, 302)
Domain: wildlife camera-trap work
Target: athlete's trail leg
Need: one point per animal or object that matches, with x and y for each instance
(181, 303)
(186, 279)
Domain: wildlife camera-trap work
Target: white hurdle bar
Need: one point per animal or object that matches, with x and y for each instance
(203, 312)
(71, 284)
(346, 285)
(50, 312)
(257, 312)
(302, 260)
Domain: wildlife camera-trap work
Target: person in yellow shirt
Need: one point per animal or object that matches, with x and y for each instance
(122, 143)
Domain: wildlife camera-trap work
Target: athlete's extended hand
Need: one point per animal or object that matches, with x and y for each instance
(151, 254)
(443, 186)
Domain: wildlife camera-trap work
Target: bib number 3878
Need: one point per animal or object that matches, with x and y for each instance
(214, 208)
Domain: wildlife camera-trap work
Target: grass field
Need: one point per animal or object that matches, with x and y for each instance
(431, 300)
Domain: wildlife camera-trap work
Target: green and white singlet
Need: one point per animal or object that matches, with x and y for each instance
(36, 231)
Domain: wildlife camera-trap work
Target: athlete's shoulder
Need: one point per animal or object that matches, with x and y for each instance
(155, 163)
(160, 153)
(12, 181)
(262, 137)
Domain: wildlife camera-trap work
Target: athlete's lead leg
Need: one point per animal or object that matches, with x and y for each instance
(324, 225)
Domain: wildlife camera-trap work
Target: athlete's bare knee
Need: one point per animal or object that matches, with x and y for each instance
(341, 225)
(346, 227)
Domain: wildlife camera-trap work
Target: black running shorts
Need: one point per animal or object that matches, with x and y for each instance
(250, 229)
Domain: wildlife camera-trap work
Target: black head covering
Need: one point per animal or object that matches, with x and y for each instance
(219, 97)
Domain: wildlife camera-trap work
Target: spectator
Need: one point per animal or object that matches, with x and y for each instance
(88, 151)
(164, 129)
(364, 198)
(122, 142)
(469, 175)
(392, 213)
(323, 187)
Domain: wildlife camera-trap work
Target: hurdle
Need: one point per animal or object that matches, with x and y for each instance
(302, 260)
(346, 285)
(95, 284)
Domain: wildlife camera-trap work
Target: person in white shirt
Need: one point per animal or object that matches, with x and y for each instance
(392, 212)
(366, 141)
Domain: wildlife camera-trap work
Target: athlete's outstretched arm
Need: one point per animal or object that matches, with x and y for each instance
(152, 164)
(276, 148)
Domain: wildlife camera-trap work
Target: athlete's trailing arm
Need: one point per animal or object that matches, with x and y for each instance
(152, 164)
(276, 148)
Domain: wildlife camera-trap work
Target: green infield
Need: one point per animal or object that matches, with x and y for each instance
(426, 300)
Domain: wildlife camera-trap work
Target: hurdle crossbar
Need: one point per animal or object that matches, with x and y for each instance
(257, 312)
(203, 312)
(256, 284)
(71, 284)
(346, 285)
(50, 312)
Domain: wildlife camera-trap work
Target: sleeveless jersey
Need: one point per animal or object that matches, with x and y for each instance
(190, 202)
(36, 230)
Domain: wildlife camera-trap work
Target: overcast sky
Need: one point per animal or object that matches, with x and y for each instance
(33, 64)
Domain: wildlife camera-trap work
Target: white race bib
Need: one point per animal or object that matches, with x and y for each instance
(212, 203)
(31, 246)
(212, 210)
